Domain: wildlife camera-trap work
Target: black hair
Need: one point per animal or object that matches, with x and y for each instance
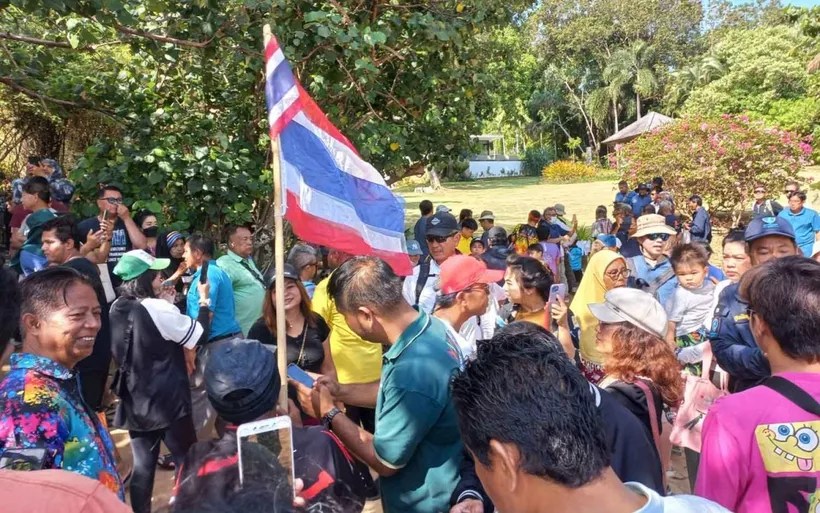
(105, 188)
(465, 213)
(785, 293)
(38, 186)
(478, 241)
(446, 300)
(735, 235)
(799, 194)
(202, 244)
(600, 212)
(142, 215)
(658, 180)
(426, 207)
(44, 292)
(140, 287)
(9, 307)
(535, 247)
(365, 281)
(470, 224)
(34, 160)
(696, 199)
(231, 229)
(544, 408)
(623, 182)
(65, 229)
(648, 209)
(531, 274)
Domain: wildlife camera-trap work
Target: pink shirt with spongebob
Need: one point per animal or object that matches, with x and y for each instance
(760, 451)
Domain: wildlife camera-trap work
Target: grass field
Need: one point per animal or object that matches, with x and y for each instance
(511, 198)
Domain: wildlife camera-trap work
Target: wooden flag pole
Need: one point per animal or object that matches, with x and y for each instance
(279, 260)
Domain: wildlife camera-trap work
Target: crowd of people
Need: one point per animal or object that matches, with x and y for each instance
(513, 370)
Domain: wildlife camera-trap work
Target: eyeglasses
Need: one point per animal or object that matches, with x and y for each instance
(655, 236)
(789, 192)
(760, 191)
(114, 201)
(625, 272)
(478, 287)
(750, 311)
(436, 238)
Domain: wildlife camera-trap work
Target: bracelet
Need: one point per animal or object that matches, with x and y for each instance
(327, 420)
(205, 302)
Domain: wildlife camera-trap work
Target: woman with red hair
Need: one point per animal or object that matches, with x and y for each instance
(641, 370)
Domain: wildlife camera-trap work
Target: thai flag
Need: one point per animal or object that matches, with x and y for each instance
(332, 196)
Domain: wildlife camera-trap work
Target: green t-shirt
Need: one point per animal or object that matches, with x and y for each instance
(416, 425)
(248, 289)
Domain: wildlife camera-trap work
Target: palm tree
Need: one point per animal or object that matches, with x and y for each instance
(632, 66)
(696, 75)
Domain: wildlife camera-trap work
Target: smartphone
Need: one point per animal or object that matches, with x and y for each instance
(297, 374)
(266, 449)
(559, 290)
(33, 458)
(203, 277)
(168, 283)
(105, 215)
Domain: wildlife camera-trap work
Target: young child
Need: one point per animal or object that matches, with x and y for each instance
(576, 261)
(536, 251)
(602, 224)
(690, 305)
(477, 248)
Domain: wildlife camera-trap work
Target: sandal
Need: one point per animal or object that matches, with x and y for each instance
(166, 462)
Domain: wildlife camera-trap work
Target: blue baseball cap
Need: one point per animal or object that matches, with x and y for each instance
(609, 241)
(414, 248)
(764, 226)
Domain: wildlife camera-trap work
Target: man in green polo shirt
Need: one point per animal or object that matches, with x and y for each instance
(248, 283)
(417, 447)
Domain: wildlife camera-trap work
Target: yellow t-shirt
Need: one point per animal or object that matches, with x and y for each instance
(540, 318)
(356, 360)
(464, 245)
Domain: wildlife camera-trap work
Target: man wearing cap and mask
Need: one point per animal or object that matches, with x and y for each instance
(651, 271)
(487, 221)
(242, 383)
(733, 344)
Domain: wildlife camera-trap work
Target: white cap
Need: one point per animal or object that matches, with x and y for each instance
(633, 306)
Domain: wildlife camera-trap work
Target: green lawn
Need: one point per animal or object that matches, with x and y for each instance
(511, 198)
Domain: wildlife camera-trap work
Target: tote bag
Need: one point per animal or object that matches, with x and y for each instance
(698, 397)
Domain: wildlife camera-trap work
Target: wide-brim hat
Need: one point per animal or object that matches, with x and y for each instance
(653, 223)
(634, 306)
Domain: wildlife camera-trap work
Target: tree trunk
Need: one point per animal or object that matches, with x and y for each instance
(435, 182)
(638, 104)
(615, 114)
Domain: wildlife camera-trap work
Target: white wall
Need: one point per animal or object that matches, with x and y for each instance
(493, 168)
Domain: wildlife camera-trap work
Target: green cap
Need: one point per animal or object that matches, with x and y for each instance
(136, 262)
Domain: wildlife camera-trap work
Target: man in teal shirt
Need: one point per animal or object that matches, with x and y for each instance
(416, 448)
(804, 221)
(247, 281)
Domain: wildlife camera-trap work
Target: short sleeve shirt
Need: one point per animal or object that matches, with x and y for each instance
(222, 304)
(248, 288)
(416, 426)
(306, 350)
(806, 224)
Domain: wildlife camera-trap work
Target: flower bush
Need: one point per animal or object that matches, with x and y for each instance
(562, 171)
(720, 158)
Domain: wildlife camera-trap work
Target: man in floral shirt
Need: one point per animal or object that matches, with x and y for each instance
(44, 421)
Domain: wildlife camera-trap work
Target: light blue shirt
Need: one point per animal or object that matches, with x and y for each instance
(674, 503)
(805, 224)
(222, 304)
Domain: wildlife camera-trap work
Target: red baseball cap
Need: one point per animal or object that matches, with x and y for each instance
(461, 271)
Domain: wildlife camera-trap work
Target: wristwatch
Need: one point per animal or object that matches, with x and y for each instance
(327, 420)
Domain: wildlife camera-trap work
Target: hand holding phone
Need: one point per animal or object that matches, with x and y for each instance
(203, 276)
(266, 445)
(300, 376)
(558, 290)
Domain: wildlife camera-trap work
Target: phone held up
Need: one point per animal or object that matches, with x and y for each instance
(203, 276)
(266, 449)
(557, 291)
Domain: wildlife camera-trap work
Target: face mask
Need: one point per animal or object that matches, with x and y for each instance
(151, 232)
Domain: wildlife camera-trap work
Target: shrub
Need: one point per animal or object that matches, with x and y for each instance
(535, 160)
(720, 158)
(565, 171)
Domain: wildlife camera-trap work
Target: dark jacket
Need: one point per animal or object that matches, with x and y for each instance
(734, 345)
(633, 453)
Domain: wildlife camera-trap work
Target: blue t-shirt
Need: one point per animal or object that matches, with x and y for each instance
(576, 258)
(638, 203)
(626, 197)
(805, 224)
(222, 305)
(716, 273)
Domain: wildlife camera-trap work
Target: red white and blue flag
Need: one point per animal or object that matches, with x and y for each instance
(332, 196)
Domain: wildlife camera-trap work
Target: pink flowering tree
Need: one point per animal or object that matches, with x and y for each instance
(719, 158)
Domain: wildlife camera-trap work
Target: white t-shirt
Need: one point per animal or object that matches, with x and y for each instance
(674, 503)
(427, 299)
(467, 348)
(689, 308)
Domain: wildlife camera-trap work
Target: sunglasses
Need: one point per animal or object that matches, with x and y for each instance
(658, 236)
(761, 191)
(789, 192)
(436, 238)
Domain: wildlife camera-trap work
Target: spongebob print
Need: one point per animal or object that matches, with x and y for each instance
(789, 447)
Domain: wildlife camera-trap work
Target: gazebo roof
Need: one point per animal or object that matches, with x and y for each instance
(647, 123)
